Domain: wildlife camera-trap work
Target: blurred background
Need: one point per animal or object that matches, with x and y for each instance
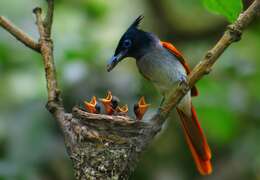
(85, 34)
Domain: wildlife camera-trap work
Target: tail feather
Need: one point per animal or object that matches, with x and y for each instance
(196, 141)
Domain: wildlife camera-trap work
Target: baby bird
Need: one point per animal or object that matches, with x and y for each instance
(140, 108)
(110, 103)
(123, 110)
(93, 106)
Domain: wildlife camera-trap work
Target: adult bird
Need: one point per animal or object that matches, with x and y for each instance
(163, 65)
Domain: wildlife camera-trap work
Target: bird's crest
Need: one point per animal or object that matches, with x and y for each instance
(136, 23)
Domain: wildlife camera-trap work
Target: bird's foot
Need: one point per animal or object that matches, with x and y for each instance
(183, 79)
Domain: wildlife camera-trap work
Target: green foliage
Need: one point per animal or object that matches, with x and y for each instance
(228, 8)
(221, 124)
(96, 9)
(89, 53)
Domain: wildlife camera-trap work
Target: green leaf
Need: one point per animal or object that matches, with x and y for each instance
(229, 8)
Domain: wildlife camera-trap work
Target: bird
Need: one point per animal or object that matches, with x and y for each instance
(93, 106)
(122, 110)
(164, 66)
(140, 108)
(110, 103)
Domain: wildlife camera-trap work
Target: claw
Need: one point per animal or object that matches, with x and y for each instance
(110, 103)
(140, 108)
(123, 110)
(92, 106)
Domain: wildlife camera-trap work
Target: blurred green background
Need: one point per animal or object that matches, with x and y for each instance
(85, 33)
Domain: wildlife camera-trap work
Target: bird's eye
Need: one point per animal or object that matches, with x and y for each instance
(127, 43)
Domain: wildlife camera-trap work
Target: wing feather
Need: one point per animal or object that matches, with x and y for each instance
(172, 49)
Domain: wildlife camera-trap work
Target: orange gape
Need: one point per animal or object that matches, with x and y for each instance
(91, 106)
(194, 135)
(107, 102)
(140, 108)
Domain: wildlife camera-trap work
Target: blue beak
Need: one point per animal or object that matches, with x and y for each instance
(115, 60)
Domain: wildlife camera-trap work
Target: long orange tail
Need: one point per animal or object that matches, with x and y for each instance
(196, 141)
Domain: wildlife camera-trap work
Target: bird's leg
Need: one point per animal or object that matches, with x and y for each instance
(183, 79)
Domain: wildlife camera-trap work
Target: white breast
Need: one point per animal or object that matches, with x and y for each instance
(162, 68)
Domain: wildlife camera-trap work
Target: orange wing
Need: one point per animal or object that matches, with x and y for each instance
(178, 55)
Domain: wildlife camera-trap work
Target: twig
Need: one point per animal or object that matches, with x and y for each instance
(39, 22)
(49, 17)
(54, 105)
(47, 54)
(19, 34)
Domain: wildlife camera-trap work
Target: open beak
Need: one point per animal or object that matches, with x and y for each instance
(107, 103)
(115, 60)
(92, 106)
(140, 108)
(122, 110)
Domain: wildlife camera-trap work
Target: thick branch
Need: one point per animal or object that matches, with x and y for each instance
(19, 34)
(54, 104)
(47, 54)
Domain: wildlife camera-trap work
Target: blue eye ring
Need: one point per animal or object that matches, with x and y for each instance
(127, 43)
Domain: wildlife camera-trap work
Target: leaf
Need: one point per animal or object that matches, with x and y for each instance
(229, 8)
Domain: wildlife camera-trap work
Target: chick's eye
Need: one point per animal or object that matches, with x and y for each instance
(127, 43)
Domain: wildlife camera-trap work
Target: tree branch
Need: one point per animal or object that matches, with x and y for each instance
(108, 147)
(232, 34)
(19, 34)
(54, 105)
(46, 46)
(49, 17)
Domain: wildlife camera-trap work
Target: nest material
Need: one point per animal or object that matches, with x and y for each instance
(107, 146)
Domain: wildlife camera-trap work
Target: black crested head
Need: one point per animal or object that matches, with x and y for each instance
(134, 43)
(137, 22)
(135, 40)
